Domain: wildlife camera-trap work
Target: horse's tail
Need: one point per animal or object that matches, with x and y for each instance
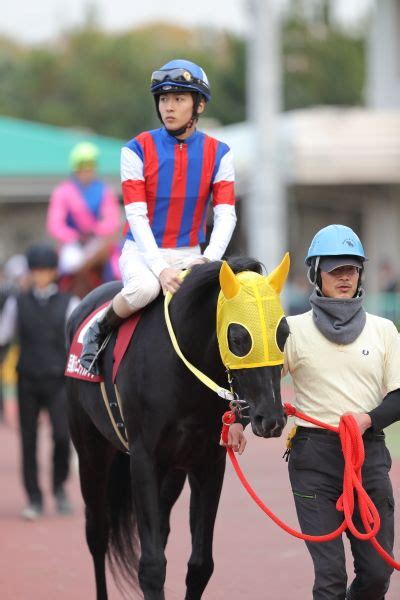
(123, 548)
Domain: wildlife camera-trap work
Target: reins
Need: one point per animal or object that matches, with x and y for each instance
(353, 452)
(228, 395)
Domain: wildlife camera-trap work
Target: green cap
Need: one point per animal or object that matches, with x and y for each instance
(84, 152)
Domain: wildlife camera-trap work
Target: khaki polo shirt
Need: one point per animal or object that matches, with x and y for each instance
(331, 379)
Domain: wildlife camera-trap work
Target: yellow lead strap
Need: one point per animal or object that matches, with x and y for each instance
(222, 392)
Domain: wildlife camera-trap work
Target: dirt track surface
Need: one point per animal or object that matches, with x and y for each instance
(254, 559)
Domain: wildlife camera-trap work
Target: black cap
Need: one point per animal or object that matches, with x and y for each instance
(42, 256)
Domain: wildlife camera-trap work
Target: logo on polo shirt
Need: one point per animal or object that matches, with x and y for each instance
(365, 352)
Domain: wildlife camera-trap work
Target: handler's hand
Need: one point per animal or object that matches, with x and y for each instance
(169, 280)
(236, 438)
(363, 421)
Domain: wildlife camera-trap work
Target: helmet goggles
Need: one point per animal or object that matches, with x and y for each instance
(179, 76)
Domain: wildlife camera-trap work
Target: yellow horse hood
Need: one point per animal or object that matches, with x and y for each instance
(252, 301)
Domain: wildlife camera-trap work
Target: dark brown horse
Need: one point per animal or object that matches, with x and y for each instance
(173, 424)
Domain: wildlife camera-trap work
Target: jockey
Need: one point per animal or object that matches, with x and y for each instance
(168, 175)
(83, 211)
(342, 361)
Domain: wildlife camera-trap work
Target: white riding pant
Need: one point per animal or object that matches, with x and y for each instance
(73, 255)
(141, 286)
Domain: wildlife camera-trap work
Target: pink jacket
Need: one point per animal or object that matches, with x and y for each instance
(66, 200)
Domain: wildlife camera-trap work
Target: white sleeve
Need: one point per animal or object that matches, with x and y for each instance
(226, 171)
(224, 225)
(131, 165)
(136, 213)
(8, 321)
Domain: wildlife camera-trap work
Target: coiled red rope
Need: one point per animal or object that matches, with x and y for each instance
(353, 452)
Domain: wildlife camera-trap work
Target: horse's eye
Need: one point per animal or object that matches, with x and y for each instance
(239, 340)
(282, 333)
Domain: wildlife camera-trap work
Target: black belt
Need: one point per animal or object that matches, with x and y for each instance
(368, 435)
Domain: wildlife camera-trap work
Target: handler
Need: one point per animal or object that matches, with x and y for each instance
(342, 361)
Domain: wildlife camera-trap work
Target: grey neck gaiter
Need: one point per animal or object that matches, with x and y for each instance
(340, 320)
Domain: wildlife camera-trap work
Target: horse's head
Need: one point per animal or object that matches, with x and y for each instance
(252, 331)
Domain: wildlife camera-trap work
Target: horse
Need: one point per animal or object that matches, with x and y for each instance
(99, 266)
(173, 424)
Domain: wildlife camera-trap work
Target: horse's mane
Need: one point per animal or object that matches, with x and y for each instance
(205, 276)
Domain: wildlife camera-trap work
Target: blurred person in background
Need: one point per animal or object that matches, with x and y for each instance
(298, 295)
(388, 303)
(84, 218)
(14, 277)
(3, 349)
(168, 176)
(37, 317)
(388, 280)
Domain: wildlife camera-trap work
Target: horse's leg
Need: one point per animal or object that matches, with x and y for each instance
(146, 491)
(171, 488)
(206, 485)
(95, 457)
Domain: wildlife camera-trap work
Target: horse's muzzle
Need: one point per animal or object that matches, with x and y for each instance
(268, 427)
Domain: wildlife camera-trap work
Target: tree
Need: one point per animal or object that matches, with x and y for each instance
(322, 63)
(100, 81)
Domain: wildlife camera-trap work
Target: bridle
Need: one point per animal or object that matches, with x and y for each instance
(236, 404)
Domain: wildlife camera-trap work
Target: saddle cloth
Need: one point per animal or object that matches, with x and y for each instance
(125, 332)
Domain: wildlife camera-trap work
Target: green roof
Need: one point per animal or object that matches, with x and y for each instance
(36, 149)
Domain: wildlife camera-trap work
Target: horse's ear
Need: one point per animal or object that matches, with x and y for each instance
(230, 285)
(277, 278)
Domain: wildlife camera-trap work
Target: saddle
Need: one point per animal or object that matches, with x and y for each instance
(124, 335)
(106, 380)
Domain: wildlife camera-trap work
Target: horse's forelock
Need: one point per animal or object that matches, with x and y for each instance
(206, 275)
(245, 263)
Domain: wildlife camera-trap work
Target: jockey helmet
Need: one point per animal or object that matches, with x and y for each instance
(84, 153)
(180, 76)
(42, 256)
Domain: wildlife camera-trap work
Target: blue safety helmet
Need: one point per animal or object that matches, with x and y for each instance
(335, 240)
(180, 76)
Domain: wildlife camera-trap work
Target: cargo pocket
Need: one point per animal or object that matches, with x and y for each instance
(300, 453)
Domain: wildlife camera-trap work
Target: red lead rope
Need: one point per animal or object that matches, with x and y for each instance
(353, 452)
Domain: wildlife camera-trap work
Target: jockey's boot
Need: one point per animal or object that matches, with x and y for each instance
(96, 339)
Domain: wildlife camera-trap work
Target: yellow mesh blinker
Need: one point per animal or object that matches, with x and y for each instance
(257, 307)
